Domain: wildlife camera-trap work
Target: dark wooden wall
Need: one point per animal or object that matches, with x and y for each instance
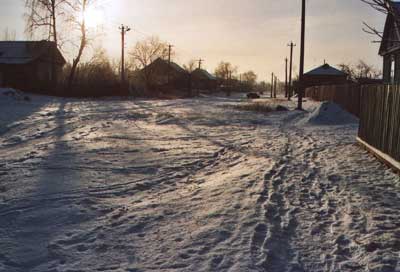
(380, 118)
(347, 96)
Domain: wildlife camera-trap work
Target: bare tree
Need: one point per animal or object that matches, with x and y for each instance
(348, 69)
(249, 79)
(360, 69)
(78, 20)
(42, 16)
(385, 7)
(98, 69)
(225, 70)
(45, 17)
(144, 53)
(190, 66)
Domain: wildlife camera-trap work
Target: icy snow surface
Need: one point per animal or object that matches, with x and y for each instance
(188, 185)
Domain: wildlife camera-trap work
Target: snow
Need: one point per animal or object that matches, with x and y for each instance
(329, 113)
(13, 94)
(188, 185)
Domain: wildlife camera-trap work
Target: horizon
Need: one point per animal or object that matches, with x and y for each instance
(255, 36)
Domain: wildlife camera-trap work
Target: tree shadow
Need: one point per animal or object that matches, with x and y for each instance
(12, 112)
(33, 222)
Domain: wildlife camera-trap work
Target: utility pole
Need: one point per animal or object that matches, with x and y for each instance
(169, 62)
(291, 70)
(286, 78)
(124, 29)
(301, 74)
(50, 28)
(230, 84)
(272, 85)
(200, 62)
(275, 83)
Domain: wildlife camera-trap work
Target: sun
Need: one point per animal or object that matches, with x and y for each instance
(94, 17)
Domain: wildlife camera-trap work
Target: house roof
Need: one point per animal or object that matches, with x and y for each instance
(204, 73)
(396, 5)
(325, 70)
(174, 66)
(24, 52)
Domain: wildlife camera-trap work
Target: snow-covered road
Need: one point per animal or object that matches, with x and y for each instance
(188, 185)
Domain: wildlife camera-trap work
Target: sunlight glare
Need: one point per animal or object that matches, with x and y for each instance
(94, 17)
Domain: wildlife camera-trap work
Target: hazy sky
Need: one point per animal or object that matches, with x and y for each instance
(251, 34)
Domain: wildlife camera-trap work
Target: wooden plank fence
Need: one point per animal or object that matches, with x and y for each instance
(380, 119)
(378, 107)
(347, 96)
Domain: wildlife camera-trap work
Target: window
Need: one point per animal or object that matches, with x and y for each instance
(392, 69)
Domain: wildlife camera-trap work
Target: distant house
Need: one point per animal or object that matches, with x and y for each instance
(390, 48)
(203, 80)
(162, 75)
(325, 75)
(28, 65)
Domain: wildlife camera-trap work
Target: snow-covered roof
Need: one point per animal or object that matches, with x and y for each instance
(177, 67)
(23, 52)
(204, 73)
(325, 70)
(173, 65)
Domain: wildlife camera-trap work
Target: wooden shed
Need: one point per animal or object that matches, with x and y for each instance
(30, 65)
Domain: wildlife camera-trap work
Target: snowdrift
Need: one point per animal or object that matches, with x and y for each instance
(12, 94)
(329, 113)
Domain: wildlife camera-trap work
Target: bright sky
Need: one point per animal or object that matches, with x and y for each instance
(251, 34)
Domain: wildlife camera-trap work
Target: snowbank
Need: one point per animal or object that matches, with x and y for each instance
(15, 105)
(329, 113)
(12, 94)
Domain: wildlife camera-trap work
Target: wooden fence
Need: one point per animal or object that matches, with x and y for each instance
(378, 107)
(380, 119)
(347, 96)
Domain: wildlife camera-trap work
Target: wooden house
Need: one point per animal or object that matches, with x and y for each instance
(390, 47)
(325, 75)
(163, 76)
(30, 65)
(203, 80)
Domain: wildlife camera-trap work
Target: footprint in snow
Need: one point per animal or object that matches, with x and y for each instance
(334, 178)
